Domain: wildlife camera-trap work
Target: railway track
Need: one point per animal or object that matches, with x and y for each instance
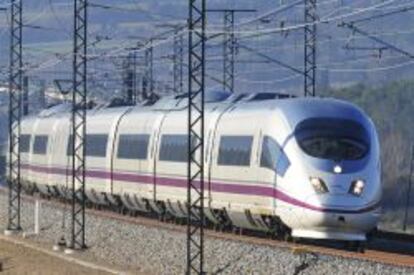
(386, 248)
(395, 257)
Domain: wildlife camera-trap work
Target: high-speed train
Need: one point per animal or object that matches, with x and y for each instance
(302, 167)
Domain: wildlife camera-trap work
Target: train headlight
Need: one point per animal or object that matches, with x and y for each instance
(319, 185)
(357, 187)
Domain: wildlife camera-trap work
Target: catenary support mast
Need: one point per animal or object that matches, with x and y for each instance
(195, 188)
(310, 48)
(178, 59)
(229, 45)
(79, 106)
(15, 99)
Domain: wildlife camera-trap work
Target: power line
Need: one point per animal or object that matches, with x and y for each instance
(297, 26)
(376, 39)
(229, 43)
(404, 9)
(125, 9)
(271, 59)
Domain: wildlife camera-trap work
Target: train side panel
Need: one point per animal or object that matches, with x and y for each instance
(133, 164)
(27, 127)
(234, 170)
(99, 148)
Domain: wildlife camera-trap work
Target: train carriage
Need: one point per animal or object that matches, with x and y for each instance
(307, 167)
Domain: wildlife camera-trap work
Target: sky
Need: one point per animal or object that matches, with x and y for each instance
(115, 27)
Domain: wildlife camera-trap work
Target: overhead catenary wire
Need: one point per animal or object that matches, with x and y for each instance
(103, 55)
(264, 31)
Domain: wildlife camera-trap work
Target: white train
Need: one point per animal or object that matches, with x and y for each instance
(304, 167)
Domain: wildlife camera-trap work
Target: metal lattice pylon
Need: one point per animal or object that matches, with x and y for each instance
(130, 78)
(196, 85)
(310, 48)
(148, 77)
(79, 105)
(15, 99)
(229, 45)
(178, 59)
(228, 51)
(408, 196)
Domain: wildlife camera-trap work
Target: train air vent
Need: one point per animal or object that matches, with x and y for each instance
(239, 97)
(270, 96)
(216, 96)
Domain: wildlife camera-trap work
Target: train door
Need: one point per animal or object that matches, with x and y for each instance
(61, 155)
(171, 159)
(98, 149)
(31, 175)
(233, 174)
(54, 144)
(26, 140)
(131, 164)
(41, 148)
(267, 168)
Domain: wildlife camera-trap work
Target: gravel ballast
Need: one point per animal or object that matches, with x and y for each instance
(141, 250)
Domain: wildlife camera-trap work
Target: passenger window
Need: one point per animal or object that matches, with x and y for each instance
(25, 143)
(69, 147)
(95, 145)
(133, 146)
(273, 156)
(40, 145)
(235, 150)
(174, 148)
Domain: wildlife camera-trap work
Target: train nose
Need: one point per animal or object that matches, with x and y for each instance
(336, 221)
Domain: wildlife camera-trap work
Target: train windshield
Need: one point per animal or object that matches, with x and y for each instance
(332, 138)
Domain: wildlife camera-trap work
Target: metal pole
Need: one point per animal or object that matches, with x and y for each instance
(181, 65)
(410, 181)
(25, 96)
(38, 205)
(148, 81)
(134, 81)
(228, 51)
(79, 106)
(310, 48)
(178, 61)
(15, 88)
(229, 46)
(196, 87)
(42, 96)
(128, 78)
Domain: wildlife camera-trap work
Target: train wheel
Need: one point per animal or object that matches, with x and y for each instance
(361, 247)
(357, 246)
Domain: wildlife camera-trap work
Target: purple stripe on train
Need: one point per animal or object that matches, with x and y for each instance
(251, 190)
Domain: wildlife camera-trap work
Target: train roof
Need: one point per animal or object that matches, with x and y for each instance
(294, 109)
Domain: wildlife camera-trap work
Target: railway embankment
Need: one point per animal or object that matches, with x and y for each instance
(142, 248)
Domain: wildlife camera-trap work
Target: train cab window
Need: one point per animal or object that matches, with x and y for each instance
(333, 138)
(96, 145)
(174, 148)
(40, 145)
(273, 156)
(25, 143)
(235, 150)
(133, 146)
